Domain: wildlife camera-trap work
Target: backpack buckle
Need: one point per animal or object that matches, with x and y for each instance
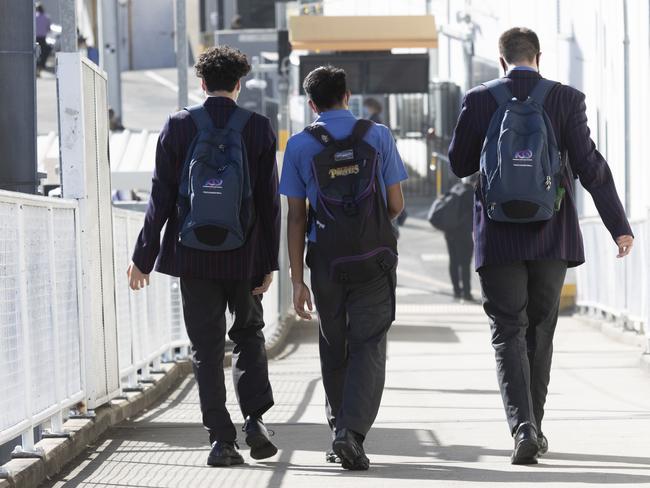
(350, 207)
(344, 277)
(384, 265)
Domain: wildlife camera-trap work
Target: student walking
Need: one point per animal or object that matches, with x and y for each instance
(215, 187)
(42, 24)
(350, 172)
(460, 245)
(525, 224)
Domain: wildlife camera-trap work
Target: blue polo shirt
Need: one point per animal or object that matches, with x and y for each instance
(297, 178)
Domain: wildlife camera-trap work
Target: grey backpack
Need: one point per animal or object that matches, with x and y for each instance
(215, 201)
(521, 165)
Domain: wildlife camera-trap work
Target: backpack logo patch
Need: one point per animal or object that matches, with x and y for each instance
(344, 171)
(212, 185)
(523, 158)
(344, 155)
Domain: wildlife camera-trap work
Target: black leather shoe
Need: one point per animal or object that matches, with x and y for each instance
(348, 445)
(542, 442)
(224, 454)
(257, 438)
(526, 447)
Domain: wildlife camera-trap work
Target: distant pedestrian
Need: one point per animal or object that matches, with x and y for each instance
(373, 109)
(460, 244)
(350, 172)
(237, 22)
(526, 225)
(215, 189)
(43, 24)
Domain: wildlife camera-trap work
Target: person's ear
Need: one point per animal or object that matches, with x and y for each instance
(204, 87)
(313, 107)
(238, 86)
(537, 58)
(504, 65)
(346, 99)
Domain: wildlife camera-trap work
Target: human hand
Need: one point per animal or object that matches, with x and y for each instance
(137, 279)
(624, 244)
(264, 287)
(302, 295)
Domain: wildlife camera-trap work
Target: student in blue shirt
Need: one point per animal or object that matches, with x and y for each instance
(350, 173)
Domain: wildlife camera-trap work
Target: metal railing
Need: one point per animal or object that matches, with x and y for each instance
(149, 322)
(619, 289)
(41, 338)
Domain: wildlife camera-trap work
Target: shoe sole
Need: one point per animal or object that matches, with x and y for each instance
(225, 462)
(261, 447)
(350, 458)
(525, 452)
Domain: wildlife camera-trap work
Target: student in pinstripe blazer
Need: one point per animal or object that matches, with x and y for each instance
(212, 281)
(522, 266)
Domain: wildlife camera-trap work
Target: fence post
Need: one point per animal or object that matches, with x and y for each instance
(27, 437)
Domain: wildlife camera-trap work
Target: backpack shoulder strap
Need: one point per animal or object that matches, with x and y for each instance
(499, 90)
(361, 128)
(200, 116)
(238, 119)
(541, 89)
(318, 132)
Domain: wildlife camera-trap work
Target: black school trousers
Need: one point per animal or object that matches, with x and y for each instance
(353, 322)
(522, 301)
(205, 303)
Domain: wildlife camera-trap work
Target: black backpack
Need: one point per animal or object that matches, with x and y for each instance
(353, 230)
(446, 213)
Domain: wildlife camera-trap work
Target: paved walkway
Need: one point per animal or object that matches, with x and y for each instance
(441, 421)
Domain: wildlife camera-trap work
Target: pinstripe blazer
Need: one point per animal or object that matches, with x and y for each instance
(560, 237)
(259, 255)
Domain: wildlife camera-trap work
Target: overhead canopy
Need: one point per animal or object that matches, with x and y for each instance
(358, 33)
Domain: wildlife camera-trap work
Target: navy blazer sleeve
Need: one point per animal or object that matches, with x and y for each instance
(162, 204)
(466, 142)
(592, 169)
(267, 200)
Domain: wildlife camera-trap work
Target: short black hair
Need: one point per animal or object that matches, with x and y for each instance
(221, 67)
(326, 86)
(519, 44)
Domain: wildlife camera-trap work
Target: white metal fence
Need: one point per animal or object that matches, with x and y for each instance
(41, 346)
(617, 288)
(149, 322)
(43, 339)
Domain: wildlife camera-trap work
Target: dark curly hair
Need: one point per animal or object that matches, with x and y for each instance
(221, 67)
(326, 86)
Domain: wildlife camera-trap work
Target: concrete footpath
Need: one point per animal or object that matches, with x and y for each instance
(441, 422)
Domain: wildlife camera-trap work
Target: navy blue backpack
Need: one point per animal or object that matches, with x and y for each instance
(215, 201)
(521, 165)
